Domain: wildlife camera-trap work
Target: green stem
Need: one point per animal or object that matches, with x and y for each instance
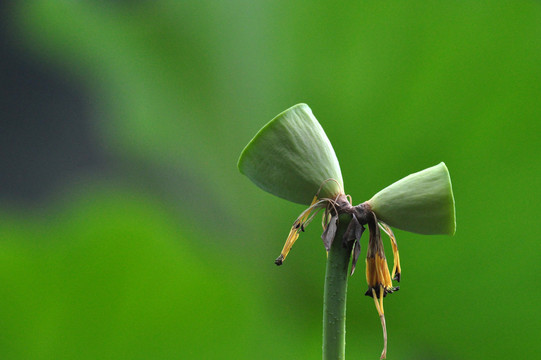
(334, 299)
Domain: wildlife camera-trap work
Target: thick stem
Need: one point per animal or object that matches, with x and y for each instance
(334, 299)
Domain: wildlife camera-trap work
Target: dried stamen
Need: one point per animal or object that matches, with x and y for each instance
(379, 308)
(299, 225)
(377, 271)
(396, 257)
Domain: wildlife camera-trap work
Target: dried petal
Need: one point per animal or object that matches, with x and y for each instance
(353, 231)
(356, 252)
(330, 232)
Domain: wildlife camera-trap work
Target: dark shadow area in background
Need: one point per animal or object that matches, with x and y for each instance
(45, 137)
(48, 139)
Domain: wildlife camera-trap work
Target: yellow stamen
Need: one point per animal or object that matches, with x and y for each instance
(371, 273)
(381, 293)
(377, 271)
(297, 227)
(383, 276)
(396, 256)
(293, 236)
(384, 328)
(382, 319)
(376, 302)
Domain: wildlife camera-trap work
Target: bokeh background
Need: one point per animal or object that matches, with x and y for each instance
(126, 231)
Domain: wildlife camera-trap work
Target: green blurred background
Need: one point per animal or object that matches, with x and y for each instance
(126, 230)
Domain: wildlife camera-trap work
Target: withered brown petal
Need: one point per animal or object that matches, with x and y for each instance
(358, 230)
(353, 231)
(330, 232)
(356, 252)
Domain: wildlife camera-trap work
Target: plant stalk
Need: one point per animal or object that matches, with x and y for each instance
(334, 298)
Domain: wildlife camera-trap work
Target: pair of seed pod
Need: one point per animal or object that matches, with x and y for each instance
(291, 157)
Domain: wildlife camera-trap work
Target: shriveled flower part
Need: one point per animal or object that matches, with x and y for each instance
(291, 157)
(329, 223)
(377, 272)
(378, 277)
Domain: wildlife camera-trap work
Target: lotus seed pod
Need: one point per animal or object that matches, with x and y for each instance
(421, 202)
(291, 157)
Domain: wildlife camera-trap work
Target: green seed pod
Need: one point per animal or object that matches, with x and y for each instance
(421, 202)
(291, 157)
